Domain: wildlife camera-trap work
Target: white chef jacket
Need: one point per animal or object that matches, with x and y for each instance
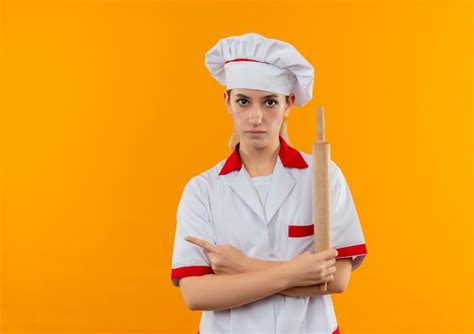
(262, 184)
(221, 206)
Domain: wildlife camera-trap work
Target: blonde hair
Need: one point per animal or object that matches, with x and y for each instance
(234, 138)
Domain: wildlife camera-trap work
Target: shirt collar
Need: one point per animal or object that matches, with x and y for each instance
(289, 156)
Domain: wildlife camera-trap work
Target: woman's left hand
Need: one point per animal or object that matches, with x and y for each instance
(225, 259)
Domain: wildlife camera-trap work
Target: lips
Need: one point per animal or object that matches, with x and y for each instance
(256, 131)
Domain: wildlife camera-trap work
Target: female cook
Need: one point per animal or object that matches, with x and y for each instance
(244, 243)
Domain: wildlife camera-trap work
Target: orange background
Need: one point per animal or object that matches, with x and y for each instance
(107, 110)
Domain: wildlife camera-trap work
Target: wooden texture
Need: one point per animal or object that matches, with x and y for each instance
(321, 152)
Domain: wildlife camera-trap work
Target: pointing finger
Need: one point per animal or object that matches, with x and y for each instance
(201, 243)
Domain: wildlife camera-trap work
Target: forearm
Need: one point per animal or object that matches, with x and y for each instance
(218, 292)
(255, 264)
(308, 291)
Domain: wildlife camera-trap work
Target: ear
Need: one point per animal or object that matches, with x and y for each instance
(291, 102)
(292, 99)
(225, 102)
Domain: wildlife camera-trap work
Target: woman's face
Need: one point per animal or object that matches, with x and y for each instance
(257, 114)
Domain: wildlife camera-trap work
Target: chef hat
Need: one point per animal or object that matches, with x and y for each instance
(255, 62)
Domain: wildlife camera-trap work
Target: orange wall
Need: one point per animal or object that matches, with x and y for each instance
(99, 102)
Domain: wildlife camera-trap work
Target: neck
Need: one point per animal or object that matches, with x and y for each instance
(259, 161)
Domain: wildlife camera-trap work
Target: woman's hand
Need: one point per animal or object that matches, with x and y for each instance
(225, 259)
(312, 268)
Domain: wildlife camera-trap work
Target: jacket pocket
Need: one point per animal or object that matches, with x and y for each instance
(299, 231)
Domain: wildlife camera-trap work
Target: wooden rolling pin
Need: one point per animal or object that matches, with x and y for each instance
(321, 190)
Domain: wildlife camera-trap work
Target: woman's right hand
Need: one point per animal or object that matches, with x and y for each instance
(310, 269)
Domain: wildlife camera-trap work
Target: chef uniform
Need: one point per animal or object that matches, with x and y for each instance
(266, 217)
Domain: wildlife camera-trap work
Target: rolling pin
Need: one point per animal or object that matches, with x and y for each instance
(321, 190)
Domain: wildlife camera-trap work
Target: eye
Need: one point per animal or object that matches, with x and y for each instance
(274, 102)
(242, 100)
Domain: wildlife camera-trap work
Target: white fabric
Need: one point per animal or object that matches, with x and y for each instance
(272, 65)
(215, 208)
(262, 184)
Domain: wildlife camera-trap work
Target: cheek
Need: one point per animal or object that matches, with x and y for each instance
(276, 119)
(238, 118)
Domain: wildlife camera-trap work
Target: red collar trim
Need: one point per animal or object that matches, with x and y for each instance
(289, 156)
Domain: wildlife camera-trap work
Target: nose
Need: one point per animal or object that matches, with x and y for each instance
(255, 116)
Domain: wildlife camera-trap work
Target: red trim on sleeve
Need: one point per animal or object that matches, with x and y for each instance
(296, 231)
(351, 251)
(191, 271)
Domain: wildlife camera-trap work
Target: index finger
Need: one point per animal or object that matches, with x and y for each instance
(201, 243)
(330, 254)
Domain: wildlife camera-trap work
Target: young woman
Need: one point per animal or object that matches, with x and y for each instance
(244, 242)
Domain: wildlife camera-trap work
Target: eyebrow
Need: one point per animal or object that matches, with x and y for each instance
(263, 97)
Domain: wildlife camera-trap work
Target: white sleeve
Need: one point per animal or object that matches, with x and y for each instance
(346, 231)
(193, 219)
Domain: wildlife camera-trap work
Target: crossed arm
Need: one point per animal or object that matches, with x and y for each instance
(245, 279)
(337, 285)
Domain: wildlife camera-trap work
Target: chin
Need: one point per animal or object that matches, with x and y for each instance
(256, 142)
